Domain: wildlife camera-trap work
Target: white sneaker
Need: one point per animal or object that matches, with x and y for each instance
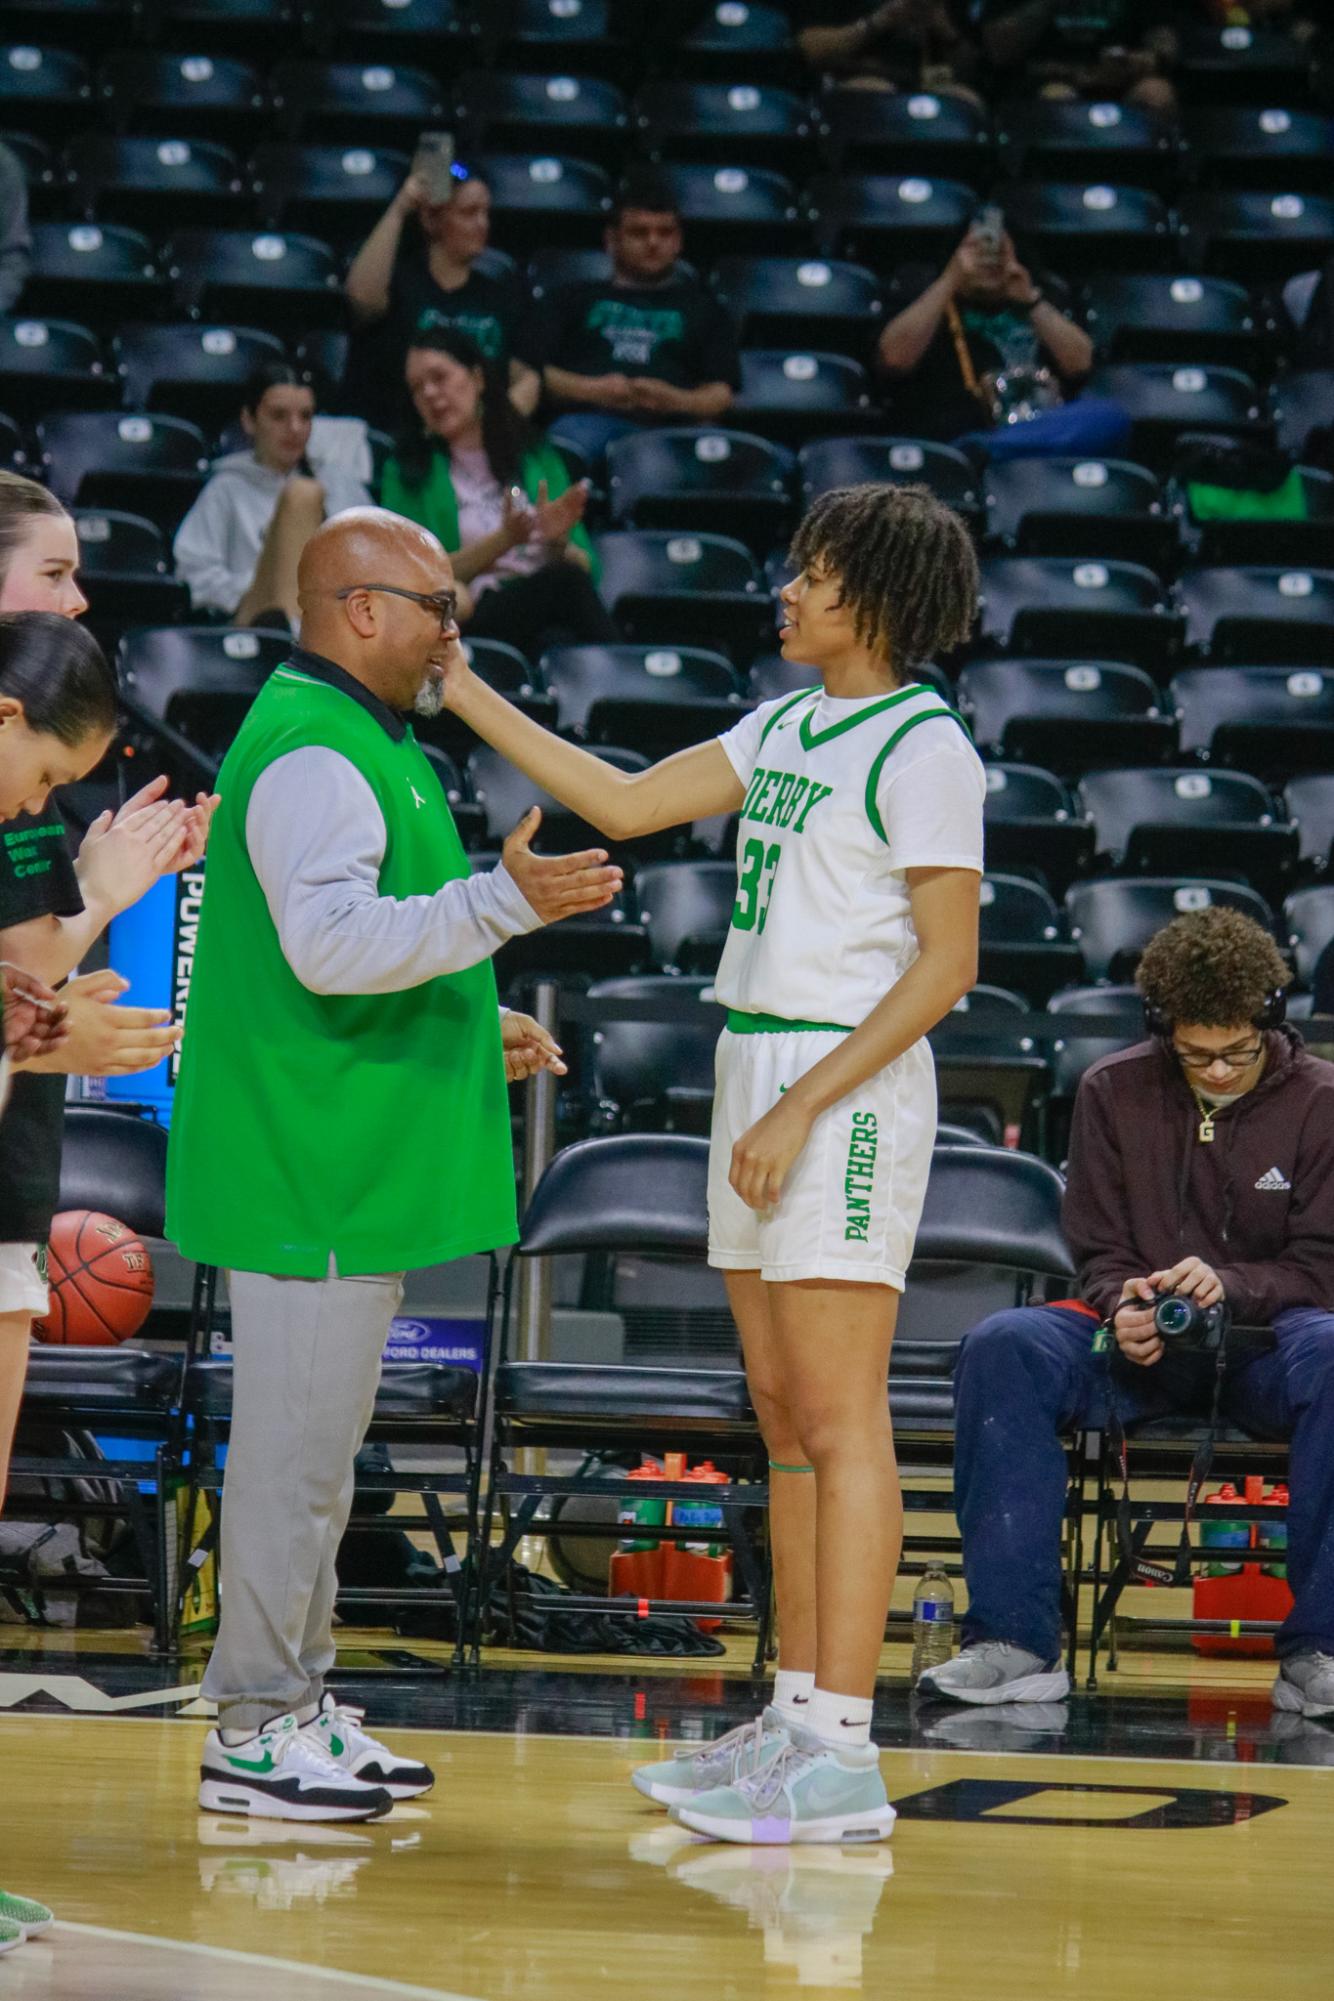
(1306, 1684)
(337, 1729)
(283, 1773)
(995, 1671)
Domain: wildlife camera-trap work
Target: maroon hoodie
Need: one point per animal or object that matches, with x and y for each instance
(1143, 1191)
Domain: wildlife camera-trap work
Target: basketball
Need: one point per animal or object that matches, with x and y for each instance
(101, 1280)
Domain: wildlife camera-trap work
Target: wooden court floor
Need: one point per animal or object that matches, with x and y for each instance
(535, 1873)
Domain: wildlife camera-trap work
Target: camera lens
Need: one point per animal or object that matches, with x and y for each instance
(1173, 1316)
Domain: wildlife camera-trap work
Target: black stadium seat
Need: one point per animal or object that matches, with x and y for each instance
(757, 124)
(795, 396)
(53, 365)
(1163, 399)
(1114, 918)
(916, 132)
(196, 372)
(1050, 605)
(88, 26)
(1066, 715)
(1269, 720)
(734, 208)
(1034, 827)
(1257, 236)
(1262, 614)
(1190, 822)
(1309, 800)
(731, 40)
(142, 465)
(181, 183)
(535, 113)
(802, 301)
(368, 103)
(98, 273)
(1308, 916)
(1024, 944)
(43, 90)
(37, 160)
(1155, 316)
(564, 36)
(690, 590)
(200, 679)
(242, 25)
(426, 32)
(546, 199)
(951, 475)
(653, 1075)
(335, 191)
(1260, 146)
(1080, 227)
(125, 561)
(1089, 143)
(724, 482)
(1302, 402)
(660, 698)
(208, 96)
(280, 282)
(1242, 65)
(884, 219)
(1080, 507)
(686, 908)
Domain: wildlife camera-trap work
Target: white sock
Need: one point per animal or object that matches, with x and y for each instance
(842, 1720)
(306, 1715)
(792, 1694)
(231, 1738)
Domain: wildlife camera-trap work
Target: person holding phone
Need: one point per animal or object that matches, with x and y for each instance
(419, 272)
(960, 328)
(501, 501)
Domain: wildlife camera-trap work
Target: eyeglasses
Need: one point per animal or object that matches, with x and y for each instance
(1203, 1059)
(444, 604)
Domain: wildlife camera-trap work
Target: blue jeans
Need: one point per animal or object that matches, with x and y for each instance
(591, 431)
(1025, 1376)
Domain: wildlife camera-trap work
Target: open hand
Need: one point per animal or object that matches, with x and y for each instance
(762, 1158)
(555, 518)
(558, 886)
(34, 1019)
(528, 1048)
(105, 1040)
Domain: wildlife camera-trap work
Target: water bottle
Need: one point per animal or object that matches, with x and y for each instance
(932, 1620)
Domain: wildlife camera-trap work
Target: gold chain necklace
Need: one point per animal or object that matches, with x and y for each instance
(1205, 1132)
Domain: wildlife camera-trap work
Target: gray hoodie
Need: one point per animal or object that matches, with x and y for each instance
(218, 544)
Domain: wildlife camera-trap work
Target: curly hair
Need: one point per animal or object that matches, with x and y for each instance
(906, 564)
(1212, 969)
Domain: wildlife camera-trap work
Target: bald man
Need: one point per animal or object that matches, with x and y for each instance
(341, 1118)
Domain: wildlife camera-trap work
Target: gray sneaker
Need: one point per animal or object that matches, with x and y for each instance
(748, 1748)
(1306, 1684)
(994, 1671)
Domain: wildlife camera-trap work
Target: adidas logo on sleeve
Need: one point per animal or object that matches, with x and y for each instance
(1273, 1181)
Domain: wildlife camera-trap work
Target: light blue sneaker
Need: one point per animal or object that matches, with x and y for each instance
(812, 1791)
(748, 1748)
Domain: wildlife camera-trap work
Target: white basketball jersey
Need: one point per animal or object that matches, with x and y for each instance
(841, 798)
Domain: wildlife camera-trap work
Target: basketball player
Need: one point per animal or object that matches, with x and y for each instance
(859, 855)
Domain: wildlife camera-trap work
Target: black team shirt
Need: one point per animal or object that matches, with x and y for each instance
(37, 879)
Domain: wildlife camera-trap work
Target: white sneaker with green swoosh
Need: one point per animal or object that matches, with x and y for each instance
(284, 1773)
(337, 1729)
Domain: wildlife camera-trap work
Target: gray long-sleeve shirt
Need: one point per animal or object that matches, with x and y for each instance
(316, 839)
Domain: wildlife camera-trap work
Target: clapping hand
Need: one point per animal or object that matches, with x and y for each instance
(555, 518)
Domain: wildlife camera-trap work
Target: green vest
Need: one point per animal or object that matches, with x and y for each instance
(371, 1126)
(434, 504)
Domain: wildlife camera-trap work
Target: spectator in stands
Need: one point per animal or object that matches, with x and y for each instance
(903, 45)
(239, 546)
(983, 344)
(501, 501)
(1080, 48)
(1201, 1164)
(15, 241)
(417, 272)
(649, 345)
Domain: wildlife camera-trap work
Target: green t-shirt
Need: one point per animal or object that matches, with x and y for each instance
(371, 1126)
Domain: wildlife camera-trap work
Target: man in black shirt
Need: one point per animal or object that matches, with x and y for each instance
(985, 313)
(649, 345)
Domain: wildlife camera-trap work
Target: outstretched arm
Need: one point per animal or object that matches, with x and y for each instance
(693, 785)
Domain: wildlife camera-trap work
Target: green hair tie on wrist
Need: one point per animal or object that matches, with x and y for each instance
(774, 1467)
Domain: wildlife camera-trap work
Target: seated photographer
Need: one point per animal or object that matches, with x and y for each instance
(1202, 1166)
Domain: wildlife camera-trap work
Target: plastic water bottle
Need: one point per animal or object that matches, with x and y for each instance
(932, 1620)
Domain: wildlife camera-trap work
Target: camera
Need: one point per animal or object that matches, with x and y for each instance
(1188, 1327)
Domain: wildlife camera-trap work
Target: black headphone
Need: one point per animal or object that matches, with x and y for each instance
(1272, 1015)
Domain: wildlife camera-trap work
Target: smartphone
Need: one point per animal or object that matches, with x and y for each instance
(433, 163)
(988, 228)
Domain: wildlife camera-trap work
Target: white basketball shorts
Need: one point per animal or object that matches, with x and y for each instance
(853, 1198)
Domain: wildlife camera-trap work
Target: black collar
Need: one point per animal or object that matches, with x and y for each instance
(334, 676)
